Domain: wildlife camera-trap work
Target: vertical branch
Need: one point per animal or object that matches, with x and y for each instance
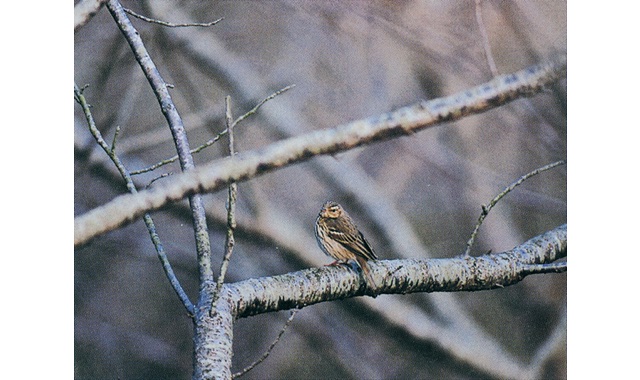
(231, 210)
(213, 337)
(179, 136)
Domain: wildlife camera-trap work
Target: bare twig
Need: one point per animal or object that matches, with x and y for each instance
(406, 120)
(166, 265)
(174, 158)
(496, 199)
(262, 102)
(217, 137)
(161, 176)
(170, 24)
(485, 39)
(268, 351)
(231, 211)
(176, 126)
(233, 187)
(115, 138)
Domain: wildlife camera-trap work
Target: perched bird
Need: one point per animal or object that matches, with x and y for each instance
(338, 237)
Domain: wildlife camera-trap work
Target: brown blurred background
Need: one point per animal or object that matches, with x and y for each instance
(416, 196)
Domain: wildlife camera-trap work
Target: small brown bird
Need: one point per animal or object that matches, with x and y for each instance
(338, 237)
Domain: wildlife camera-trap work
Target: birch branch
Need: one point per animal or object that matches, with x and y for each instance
(496, 270)
(311, 286)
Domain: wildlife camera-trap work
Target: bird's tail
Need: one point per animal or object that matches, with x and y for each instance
(362, 263)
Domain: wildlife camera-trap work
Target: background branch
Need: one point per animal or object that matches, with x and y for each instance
(485, 39)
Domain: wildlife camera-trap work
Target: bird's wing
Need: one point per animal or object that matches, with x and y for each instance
(354, 242)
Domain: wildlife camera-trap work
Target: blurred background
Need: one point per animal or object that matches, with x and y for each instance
(413, 197)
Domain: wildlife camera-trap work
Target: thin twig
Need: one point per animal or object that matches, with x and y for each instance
(268, 351)
(231, 210)
(170, 24)
(257, 107)
(166, 265)
(170, 112)
(485, 39)
(115, 138)
(496, 199)
(163, 175)
(218, 136)
(174, 158)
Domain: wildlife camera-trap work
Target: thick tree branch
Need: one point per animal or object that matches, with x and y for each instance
(213, 337)
(311, 286)
(406, 120)
(299, 289)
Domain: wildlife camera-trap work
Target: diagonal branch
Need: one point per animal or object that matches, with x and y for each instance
(404, 121)
(497, 270)
(176, 126)
(486, 209)
(271, 347)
